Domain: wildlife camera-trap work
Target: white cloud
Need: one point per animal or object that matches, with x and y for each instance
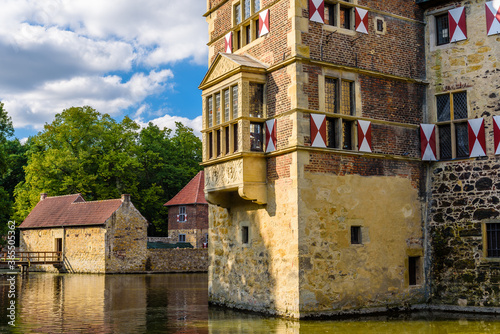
(168, 121)
(112, 55)
(107, 94)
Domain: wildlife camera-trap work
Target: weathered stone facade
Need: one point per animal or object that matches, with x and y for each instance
(177, 260)
(281, 233)
(117, 244)
(464, 192)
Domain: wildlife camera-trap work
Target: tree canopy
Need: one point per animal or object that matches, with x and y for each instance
(84, 151)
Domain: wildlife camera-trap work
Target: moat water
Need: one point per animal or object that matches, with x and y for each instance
(176, 303)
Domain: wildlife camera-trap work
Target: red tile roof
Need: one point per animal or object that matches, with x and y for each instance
(70, 210)
(192, 193)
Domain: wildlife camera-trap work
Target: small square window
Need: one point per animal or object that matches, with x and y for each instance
(493, 239)
(380, 25)
(244, 234)
(414, 270)
(356, 235)
(442, 29)
(182, 238)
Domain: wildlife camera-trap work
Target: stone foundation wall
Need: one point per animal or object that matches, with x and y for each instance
(177, 260)
(465, 196)
(337, 275)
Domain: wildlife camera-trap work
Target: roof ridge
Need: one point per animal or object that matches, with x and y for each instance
(98, 201)
(64, 196)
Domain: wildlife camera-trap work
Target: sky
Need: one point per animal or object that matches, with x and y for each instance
(142, 59)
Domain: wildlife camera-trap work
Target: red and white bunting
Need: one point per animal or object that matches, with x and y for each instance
(458, 27)
(477, 140)
(361, 20)
(496, 133)
(264, 22)
(228, 43)
(428, 142)
(318, 130)
(271, 135)
(492, 17)
(364, 136)
(317, 11)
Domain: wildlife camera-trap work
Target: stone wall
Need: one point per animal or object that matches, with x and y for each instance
(83, 247)
(463, 194)
(126, 240)
(338, 276)
(195, 237)
(177, 260)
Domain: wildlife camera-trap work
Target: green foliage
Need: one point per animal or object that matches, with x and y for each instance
(83, 151)
(6, 130)
(169, 162)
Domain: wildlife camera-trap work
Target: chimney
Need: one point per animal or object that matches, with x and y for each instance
(125, 198)
(43, 196)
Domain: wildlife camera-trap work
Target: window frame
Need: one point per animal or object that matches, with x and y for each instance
(222, 120)
(337, 7)
(339, 122)
(245, 25)
(181, 235)
(457, 142)
(487, 239)
(182, 214)
(443, 18)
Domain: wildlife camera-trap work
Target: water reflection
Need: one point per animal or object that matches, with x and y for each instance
(177, 303)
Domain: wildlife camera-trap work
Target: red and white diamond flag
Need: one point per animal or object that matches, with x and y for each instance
(228, 43)
(317, 11)
(318, 130)
(496, 133)
(264, 23)
(271, 135)
(493, 17)
(477, 140)
(458, 27)
(364, 136)
(428, 142)
(361, 20)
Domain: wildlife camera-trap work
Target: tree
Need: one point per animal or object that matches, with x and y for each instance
(6, 130)
(81, 151)
(169, 162)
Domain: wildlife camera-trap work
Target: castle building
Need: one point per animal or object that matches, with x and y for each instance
(333, 146)
(188, 214)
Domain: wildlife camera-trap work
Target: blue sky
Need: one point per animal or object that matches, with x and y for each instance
(144, 59)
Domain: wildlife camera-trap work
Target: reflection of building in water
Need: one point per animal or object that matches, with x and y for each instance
(51, 303)
(99, 236)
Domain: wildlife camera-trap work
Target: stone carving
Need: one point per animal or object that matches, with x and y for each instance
(224, 175)
(222, 67)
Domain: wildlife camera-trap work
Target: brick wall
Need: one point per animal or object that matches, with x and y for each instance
(269, 48)
(392, 100)
(197, 217)
(278, 100)
(279, 167)
(321, 162)
(398, 52)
